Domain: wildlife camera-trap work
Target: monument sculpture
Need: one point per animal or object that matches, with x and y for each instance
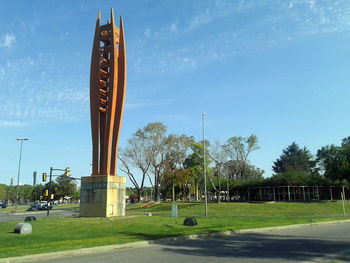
(103, 193)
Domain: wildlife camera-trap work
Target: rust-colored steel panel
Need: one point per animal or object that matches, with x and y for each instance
(94, 98)
(107, 94)
(120, 98)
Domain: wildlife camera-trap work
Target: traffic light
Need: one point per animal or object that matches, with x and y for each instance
(67, 172)
(46, 192)
(44, 177)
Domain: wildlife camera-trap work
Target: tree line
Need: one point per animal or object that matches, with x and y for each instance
(60, 188)
(173, 164)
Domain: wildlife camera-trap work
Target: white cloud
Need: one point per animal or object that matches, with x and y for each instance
(31, 97)
(8, 41)
(173, 27)
(147, 32)
(12, 124)
(201, 19)
(266, 25)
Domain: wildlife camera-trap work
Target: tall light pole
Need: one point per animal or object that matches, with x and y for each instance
(204, 169)
(19, 168)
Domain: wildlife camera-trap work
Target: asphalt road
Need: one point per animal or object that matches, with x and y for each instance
(5, 217)
(322, 243)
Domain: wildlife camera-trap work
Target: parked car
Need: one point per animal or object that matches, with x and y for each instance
(33, 207)
(3, 206)
(46, 207)
(41, 204)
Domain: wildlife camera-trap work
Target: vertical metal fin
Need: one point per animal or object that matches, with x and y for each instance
(94, 98)
(120, 98)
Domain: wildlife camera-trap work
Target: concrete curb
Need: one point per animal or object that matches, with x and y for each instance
(102, 249)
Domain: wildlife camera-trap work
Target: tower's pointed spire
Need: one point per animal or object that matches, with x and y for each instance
(121, 22)
(98, 20)
(112, 17)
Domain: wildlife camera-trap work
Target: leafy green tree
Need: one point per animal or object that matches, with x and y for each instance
(176, 153)
(37, 192)
(11, 194)
(231, 170)
(294, 158)
(25, 192)
(334, 161)
(194, 164)
(183, 176)
(65, 187)
(3, 192)
(76, 195)
(239, 149)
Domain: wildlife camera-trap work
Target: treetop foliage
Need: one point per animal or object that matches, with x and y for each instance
(294, 158)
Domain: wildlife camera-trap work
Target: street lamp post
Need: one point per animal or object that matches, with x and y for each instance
(19, 168)
(204, 168)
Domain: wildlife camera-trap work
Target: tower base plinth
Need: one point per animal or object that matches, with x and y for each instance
(102, 196)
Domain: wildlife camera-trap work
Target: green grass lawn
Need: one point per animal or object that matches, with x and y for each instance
(236, 209)
(12, 208)
(56, 234)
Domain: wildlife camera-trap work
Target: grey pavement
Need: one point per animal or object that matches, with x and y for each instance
(5, 217)
(315, 243)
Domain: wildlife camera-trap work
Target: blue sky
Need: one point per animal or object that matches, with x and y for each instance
(278, 69)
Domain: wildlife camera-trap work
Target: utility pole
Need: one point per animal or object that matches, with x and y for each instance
(49, 190)
(19, 168)
(49, 193)
(204, 169)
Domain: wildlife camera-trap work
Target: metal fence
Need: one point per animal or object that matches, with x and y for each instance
(296, 193)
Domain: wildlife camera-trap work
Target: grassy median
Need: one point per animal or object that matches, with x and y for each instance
(57, 234)
(236, 209)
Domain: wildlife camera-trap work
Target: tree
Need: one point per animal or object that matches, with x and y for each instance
(239, 149)
(3, 191)
(136, 154)
(334, 161)
(11, 194)
(251, 172)
(65, 187)
(155, 139)
(25, 192)
(294, 158)
(177, 148)
(194, 164)
(38, 190)
(219, 154)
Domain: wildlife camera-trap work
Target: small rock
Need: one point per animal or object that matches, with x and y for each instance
(23, 228)
(190, 221)
(30, 218)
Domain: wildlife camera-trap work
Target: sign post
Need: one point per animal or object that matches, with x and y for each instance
(174, 211)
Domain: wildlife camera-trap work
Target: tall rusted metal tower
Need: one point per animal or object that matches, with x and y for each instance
(107, 94)
(103, 193)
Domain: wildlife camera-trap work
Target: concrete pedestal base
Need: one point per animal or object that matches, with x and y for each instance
(102, 196)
